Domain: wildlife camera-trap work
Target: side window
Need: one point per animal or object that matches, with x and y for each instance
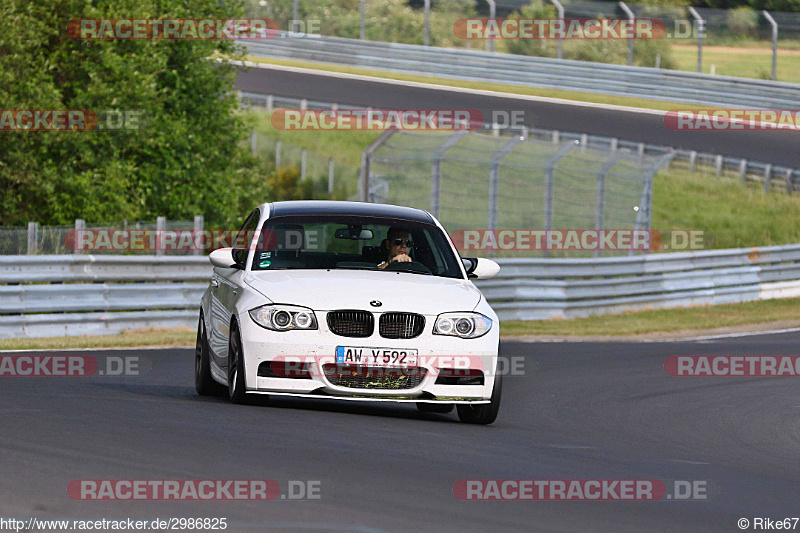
(244, 236)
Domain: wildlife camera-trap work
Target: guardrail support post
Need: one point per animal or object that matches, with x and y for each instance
(294, 15)
(767, 177)
(556, 137)
(330, 175)
(789, 181)
(718, 166)
(584, 141)
(700, 33)
(80, 226)
(743, 170)
(161, 226)
(33, 237)
(692, 160)
(614, 144)
(270, 103)
(199, 222)
(774, 42)
(632, 18)
(303, 104)
(436, 169)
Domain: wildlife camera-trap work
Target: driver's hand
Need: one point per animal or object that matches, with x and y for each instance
(401, 258)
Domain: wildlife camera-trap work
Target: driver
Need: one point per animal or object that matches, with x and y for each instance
(398, 245)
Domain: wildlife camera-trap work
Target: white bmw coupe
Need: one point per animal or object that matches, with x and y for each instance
(353, 301)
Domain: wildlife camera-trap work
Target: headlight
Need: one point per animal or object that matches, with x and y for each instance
(284, 317)
(464, 325)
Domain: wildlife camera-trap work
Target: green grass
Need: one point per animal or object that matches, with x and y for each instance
(663, 321)
(740, 61)
(132, 339)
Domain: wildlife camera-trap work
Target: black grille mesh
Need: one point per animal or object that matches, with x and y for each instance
(351, 323)
(401, 325)
(361, 377)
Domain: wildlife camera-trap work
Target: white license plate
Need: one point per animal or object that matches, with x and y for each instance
(382, 357)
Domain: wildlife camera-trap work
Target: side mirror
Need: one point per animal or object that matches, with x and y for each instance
(222, 258)
(480, 268)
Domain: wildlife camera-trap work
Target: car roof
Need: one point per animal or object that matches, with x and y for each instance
(328, 207)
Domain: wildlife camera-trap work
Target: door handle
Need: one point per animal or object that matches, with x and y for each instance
(214, 283)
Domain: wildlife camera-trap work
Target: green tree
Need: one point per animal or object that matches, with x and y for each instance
(185, 158)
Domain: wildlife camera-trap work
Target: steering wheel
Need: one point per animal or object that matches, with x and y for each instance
(408, 266)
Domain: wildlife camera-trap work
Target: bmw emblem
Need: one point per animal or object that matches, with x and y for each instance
(375, 303)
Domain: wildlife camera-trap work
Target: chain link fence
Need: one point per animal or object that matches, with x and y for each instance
(478, 183)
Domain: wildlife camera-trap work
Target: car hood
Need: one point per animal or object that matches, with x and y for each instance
(326, 290)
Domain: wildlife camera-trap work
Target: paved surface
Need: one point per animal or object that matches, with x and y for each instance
(776, 147)
(579, 411)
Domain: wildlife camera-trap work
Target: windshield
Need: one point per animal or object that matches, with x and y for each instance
(348, 242)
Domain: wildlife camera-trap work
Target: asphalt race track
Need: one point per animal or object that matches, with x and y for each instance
(578, 411)
(776, 147)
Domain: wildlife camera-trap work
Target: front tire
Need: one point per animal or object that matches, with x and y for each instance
(484, 413)
(236, 379)
(204, 384)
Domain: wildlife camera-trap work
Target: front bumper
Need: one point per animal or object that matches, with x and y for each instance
(438, 355)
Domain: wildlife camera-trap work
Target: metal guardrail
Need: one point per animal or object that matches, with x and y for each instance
(533, 289)
(164, 292)
(473, 65)
(69, 295)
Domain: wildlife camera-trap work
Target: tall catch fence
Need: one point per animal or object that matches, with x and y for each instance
(479, 182)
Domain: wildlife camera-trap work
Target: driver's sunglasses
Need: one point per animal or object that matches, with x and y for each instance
(398, 241)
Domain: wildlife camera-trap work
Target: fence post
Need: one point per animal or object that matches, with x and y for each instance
(774, 42)
(700, 33)
(743, 170)
(330, 175)
(362, 30)
(632, 18)
(427, 22)
(80, 226)
(494, 180)
(436, 168)
(198, 230)
(33, 237)
(366, 156)
(277, 154)
(161, 226)
(548, 185)
(303, 161)
(560, 10)
(767, 176)
(600, 198)
(492, 14)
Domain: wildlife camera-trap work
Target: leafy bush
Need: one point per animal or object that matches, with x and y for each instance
(186, 157)
(742, 21)
(534, 47)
